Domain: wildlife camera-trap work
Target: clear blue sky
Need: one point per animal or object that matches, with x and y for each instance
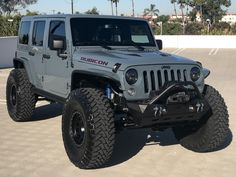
(165, 7)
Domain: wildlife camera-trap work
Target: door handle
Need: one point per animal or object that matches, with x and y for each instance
(46, 56)
(31, 53)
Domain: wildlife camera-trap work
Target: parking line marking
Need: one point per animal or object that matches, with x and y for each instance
(180, 51)
(211, 52)
(216, 51)
(176, 51)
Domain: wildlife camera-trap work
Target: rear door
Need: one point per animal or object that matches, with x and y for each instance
(36, 51)
(56, 67)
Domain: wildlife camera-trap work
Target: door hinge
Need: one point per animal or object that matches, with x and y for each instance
(68, 86)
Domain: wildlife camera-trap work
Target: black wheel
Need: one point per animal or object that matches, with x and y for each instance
(20, 98)
(88, 128)
(212, 132)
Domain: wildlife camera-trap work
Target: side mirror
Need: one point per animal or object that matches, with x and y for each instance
(57, 44)
(159, 44)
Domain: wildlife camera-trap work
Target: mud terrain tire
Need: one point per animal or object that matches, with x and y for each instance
(210, 134)
(19, 95)
(88, 128)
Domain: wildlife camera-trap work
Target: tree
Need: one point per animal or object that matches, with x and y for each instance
(94, 11)
(152, 11)
(9, 6)
(182, 5)
(194, 29)
(116, 4)
(31, 13)
(163, 18)
(210, 9)
(174, 3)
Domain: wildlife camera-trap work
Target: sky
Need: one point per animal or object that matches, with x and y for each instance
(104, 7)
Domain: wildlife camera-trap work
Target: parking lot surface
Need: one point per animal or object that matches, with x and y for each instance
(35, 149)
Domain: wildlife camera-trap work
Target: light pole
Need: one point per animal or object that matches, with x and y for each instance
(72, 6)
(133, 8)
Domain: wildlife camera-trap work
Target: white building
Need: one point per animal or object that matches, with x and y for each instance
(229, 18)
(174, 17)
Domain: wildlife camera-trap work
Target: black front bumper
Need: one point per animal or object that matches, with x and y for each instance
(177, 102)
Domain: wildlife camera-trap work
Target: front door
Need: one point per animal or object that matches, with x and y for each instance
(56, 68)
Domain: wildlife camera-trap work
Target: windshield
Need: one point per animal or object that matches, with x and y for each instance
(113, 32)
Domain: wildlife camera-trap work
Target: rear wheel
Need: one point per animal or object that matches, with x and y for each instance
(210, 134)
(20, 97)
(88, 128)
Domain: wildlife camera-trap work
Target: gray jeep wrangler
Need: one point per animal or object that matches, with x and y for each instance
(109, 73)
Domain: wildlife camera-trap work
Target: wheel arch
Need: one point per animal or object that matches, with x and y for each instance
(94, 79)
(18, 63)
(23, 63)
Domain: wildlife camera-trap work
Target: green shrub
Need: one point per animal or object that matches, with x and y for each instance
(194, 29)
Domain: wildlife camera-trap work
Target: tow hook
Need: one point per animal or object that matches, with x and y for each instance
(159, 111)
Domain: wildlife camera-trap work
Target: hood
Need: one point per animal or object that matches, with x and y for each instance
(108, 58)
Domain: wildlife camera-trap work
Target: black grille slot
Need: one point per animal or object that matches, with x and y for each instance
(179, 75)
(172, 75)
(145, 78)
(185, 73)
(166, 76)
(153, 80)
(159, 79)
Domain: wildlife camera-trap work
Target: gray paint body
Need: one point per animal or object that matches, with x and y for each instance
(54, 75)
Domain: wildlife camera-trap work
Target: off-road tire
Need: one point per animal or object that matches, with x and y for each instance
(98, 120)
(211, 133)
(24, 98)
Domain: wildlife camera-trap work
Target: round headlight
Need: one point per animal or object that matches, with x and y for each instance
(131, 76)
(195, 74)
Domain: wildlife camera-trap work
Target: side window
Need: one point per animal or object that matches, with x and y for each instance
(38, 33)
(24, 33)
(56, 32)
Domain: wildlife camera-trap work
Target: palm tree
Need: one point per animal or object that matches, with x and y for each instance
(152, 11)
(112, 10)
(181, 5)
(174, 2)
(187, 2)
(116, 2)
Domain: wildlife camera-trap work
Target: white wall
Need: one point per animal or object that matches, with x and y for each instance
(7, 51)
(8, 44)
(195, 41)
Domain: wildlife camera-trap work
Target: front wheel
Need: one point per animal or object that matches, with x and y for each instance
(88, 128)
(210, 134)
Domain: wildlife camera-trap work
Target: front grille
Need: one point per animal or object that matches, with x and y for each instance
(154, 80)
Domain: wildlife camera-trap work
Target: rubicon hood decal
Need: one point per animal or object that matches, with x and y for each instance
(94, 61)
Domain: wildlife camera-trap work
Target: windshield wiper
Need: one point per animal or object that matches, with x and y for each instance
(136, 46)
(101, 44)
(104, 45)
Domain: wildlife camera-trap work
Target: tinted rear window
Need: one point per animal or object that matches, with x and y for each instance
(38, 33)
(24, 33)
